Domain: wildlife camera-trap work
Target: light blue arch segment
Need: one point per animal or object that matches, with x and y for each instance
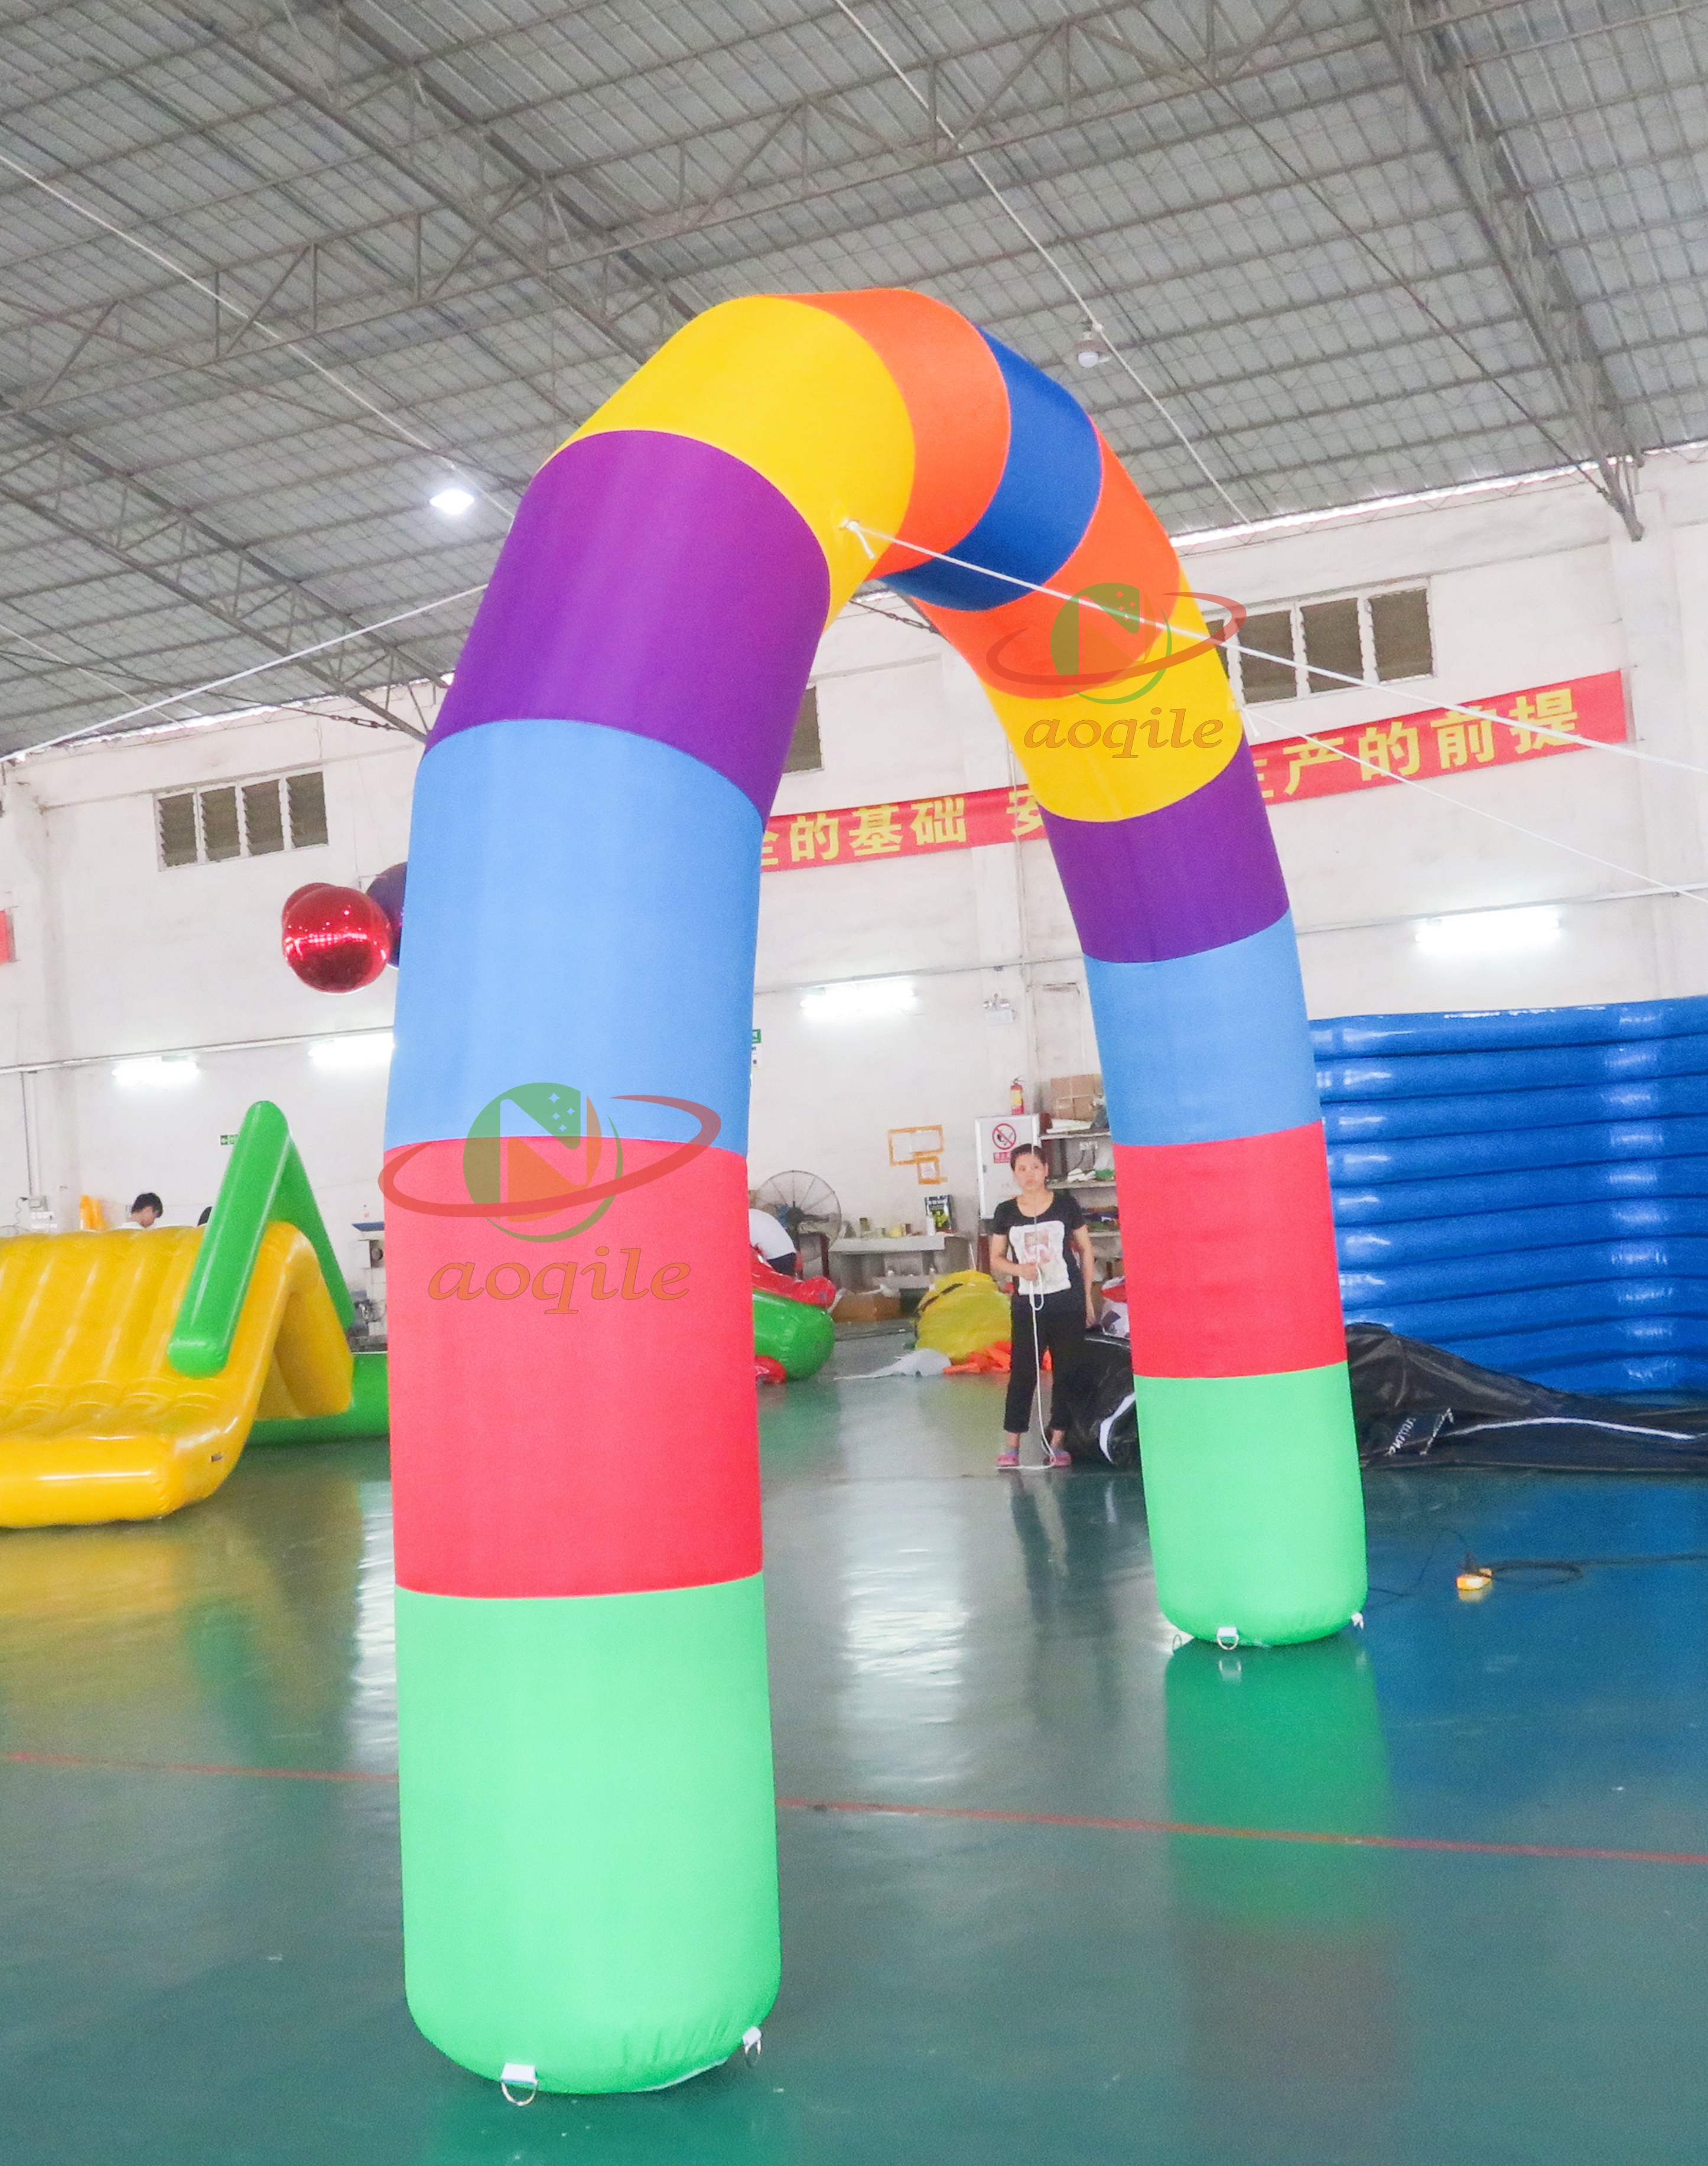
(1207, 1047)
(582, 910)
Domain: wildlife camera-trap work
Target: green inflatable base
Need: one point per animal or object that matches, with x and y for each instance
(1255, 1503)
(588, 1831)
(795, 1333)
(1288, 1739)
(367, 1414)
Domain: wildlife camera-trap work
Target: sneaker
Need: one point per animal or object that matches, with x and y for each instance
(1058, 1457)
(1007, 1462)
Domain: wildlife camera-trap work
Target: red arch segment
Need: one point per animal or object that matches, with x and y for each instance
(580, 1419)
(1244, 1283)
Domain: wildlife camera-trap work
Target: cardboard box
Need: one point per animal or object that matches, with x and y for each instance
(1073, 1097)
(871, 1308)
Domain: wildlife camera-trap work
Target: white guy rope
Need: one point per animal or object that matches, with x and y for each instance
(1127, 617)
(237, 676)
(298, 352)
(1447, 797)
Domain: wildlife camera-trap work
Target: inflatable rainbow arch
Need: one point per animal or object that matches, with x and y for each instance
(588, 1836)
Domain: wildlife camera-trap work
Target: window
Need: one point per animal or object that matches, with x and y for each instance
(1316, 646)
(241, 820)
(804, 755)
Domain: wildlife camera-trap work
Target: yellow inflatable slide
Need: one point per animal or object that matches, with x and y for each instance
(133, 1365)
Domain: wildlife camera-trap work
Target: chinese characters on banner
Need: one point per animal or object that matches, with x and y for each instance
(1443, 742)
(911, 829)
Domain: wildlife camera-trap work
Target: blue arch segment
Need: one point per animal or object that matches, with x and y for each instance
(612, 952)
(1205, 1047)
(1043, 502)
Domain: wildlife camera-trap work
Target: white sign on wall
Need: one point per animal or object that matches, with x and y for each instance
(995, 1139)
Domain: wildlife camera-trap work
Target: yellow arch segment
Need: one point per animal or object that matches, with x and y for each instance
(1132, 747)
(797, 395)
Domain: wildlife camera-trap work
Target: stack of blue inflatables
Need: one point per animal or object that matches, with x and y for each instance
(1528, 1187)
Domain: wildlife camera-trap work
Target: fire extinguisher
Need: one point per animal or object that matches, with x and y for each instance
(1016, 1096)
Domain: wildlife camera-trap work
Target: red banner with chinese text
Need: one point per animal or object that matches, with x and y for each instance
(1443, 742)
(913, 829)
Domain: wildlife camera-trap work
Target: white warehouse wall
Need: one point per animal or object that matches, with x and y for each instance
(1529, 583)
(118, 956)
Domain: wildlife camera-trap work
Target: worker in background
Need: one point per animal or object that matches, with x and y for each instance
(1041, 1250)
(768, 1237)
(146, 1210)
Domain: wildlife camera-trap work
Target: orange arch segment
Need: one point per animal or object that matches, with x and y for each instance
(953, 389)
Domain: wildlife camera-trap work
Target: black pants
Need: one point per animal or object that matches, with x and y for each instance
(1061, 1334)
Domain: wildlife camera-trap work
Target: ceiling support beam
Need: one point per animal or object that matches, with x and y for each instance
(521, 186)
(74, 490)
(1426, 48)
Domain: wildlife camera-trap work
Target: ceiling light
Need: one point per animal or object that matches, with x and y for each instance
(858, 999)
(352, 1051)
(1092, 349)
(1490, 932)
(155, 1072)
(452, 502)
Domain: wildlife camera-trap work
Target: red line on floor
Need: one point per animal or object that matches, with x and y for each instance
(993, 1815)
(191, 1767)
(1248, 1835)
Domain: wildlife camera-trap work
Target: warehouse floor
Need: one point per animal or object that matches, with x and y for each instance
(995, 1949)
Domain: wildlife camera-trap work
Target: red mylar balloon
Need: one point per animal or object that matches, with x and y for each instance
(335, 939)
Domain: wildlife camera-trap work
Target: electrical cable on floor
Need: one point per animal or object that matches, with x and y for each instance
(1391, 1594)
(1563, 1571)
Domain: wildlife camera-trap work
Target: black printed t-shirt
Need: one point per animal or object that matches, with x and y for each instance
(1043, 1240)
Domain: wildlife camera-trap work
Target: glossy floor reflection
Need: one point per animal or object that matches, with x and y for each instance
(199, 1935)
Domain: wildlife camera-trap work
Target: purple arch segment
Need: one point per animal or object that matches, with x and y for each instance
(1193, 876)
(655, 584)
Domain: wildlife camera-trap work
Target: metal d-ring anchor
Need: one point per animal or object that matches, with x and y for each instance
(751, 2042)
(525, 2076)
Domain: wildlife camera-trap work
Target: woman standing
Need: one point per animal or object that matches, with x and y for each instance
(1040, 1244)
